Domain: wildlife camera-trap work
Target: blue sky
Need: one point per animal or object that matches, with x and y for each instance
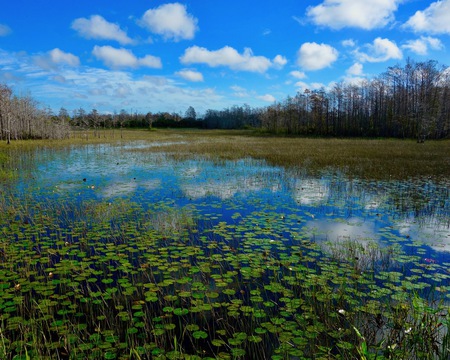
(166, 56)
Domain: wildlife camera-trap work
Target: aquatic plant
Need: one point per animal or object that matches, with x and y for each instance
(252, 267)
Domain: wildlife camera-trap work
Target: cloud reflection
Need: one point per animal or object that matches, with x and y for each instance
(311, 191)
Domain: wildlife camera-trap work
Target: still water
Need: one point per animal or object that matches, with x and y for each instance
(327, 209)
(124, 249)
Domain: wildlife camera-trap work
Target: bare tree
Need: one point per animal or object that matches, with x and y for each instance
(5, 112)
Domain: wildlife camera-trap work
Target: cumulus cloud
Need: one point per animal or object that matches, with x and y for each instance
(279, 61)
(367, 14)
(298, 74)
(171, 21)
(313, 56)
(354, 74)
(420, 46)
(55, 57)
(123, 58)
(60, 57)
(355, 70)
(96, 27)
(267, 98)
(227, 56)
(4, 30)
(380, 50)
(190, 75)
(435, 19)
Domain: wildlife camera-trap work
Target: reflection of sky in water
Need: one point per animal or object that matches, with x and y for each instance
(335, 208)
(119, 189)
(339, 230)
(428, 230)
(311, 191)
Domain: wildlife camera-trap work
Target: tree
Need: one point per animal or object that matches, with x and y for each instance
(94, 120)
(63, 115)
(5, 111)
(190, 114)
(149, 119)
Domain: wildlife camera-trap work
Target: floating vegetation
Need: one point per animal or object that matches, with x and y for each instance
(112, 254)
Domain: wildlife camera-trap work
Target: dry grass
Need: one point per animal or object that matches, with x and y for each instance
(368, 158)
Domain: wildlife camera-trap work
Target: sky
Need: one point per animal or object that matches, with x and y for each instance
(159, 56)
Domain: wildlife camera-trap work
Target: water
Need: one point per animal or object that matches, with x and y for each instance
(329, 208)
(227, 240)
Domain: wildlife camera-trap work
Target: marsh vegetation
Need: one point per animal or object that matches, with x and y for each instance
(224, 245)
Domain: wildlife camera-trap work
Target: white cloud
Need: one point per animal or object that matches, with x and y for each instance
(150, 61)
(363, 14)
(267, 98)
(52, 58)
(298, 74)
(421, 46)
(313, 56)
(381, 50)
(122, 91)
(279, 61)
(4, 30)
(60, 57)
(171, 21)
(123, 58)
(239, 91)
(355, 70)
(227, 56)
(302, 86)
(96, 27)
(354, 75)
(349, 43)
(190, 75)
(435, 19)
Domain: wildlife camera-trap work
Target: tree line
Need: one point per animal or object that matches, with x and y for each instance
(410, 101)
(21, 118)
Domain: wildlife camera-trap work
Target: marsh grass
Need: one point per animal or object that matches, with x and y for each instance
(364, 158)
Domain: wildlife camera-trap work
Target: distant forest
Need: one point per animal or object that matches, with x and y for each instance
(410, 101)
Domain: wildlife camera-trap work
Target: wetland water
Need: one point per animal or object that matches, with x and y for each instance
(111, 250)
